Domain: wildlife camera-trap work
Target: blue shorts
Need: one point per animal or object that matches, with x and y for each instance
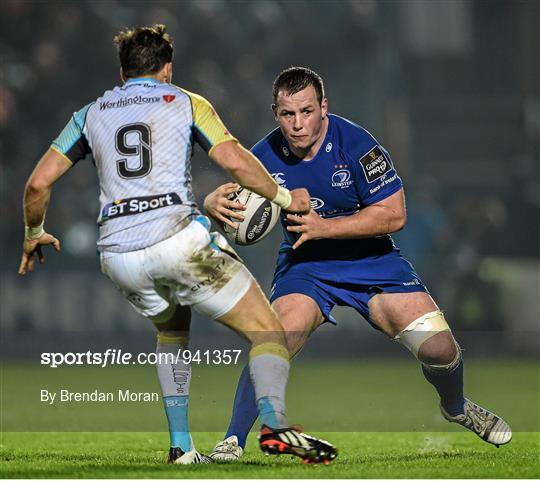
(349, 283)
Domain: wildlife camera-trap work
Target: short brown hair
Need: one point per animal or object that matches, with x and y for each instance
(144, 50)
(295, 79)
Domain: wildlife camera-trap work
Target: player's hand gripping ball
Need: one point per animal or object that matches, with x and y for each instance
(260, 217)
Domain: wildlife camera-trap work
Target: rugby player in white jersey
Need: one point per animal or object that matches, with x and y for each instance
(156, 246)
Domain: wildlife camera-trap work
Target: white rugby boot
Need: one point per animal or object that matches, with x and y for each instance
(227, 450)
(177, 456)
(490, 427)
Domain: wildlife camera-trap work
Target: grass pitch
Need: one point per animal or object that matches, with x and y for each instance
(362, 455)
(382, 416)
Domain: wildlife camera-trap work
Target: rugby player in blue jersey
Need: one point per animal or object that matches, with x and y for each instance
(341, 253)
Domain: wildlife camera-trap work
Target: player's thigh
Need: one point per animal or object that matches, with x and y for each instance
(393, 312)
(253, 317)
(197, 272)
(299, 315)
(126, 270)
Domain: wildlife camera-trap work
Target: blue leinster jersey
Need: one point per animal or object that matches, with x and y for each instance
(350, 171)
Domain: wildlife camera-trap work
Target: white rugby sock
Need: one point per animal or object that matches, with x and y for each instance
(174, 377)
(269, 369)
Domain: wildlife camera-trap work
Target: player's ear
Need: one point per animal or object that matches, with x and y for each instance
(274, 110)
(122, 76)
(324, 107)
(168, 72)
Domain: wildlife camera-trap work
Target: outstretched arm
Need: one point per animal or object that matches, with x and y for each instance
(248, 171)
(36, 199)
(210, 132)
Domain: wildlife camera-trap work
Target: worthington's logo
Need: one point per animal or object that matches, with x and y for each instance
(137, 100)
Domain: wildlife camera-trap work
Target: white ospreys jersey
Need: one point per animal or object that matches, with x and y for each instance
(141, 137)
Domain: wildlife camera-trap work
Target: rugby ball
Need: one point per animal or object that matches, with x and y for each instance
(261, 216)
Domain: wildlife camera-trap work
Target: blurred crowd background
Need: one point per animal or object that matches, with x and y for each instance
(450, 87)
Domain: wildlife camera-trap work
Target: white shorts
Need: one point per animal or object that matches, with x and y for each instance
(187, 269)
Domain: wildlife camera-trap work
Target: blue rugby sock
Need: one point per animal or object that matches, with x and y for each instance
(449, 384)
(244, 412)
(176, 408)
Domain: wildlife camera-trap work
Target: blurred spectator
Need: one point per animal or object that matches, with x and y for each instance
(467, 198)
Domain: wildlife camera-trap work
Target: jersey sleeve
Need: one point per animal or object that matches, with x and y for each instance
(376, 176)
(208, 129)
(72, 143)
(259, 151)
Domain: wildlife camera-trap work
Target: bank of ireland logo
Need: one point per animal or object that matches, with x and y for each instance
(316, 203)
(341, 178)
(278, 177)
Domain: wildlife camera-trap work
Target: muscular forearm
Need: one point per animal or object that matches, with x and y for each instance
(35, 202)
(378, 219)
(245, 169)
(38, 188)
(254, 177)
(372, 221)
(35, 237)
(250, 173)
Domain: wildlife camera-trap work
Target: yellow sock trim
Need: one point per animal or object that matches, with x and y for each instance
(269, 348)
(166, 338)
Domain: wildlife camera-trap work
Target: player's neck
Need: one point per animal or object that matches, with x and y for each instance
(311, 152)
(158, 77)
